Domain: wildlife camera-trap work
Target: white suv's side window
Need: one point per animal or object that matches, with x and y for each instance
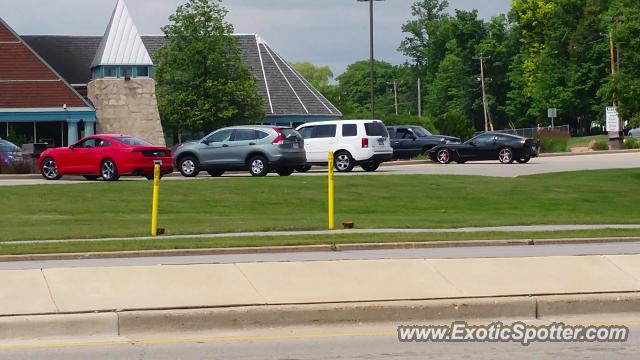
(324, 131)
(307, 132)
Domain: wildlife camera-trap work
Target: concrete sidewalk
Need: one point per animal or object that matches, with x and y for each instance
(177, 296)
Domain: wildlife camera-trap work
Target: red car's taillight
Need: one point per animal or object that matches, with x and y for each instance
(365, 143)
(279, 139)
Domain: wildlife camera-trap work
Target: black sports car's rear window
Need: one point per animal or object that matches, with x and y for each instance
(375, 129)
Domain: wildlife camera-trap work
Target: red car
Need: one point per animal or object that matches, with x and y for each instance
(105, 156)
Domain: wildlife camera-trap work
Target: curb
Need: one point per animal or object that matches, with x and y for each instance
(603, 152)
(388, 163)
(313, 248)
(155, 322)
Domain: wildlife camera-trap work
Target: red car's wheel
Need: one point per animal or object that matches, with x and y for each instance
(50, 169)
(108, 170)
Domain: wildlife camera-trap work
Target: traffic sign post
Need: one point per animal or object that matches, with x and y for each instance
(612, 122)
(552, 113)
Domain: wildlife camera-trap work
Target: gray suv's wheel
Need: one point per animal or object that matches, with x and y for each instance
(258, 166)
(343, 162)
(188, 166)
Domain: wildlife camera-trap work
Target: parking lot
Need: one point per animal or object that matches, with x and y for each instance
(540, 165)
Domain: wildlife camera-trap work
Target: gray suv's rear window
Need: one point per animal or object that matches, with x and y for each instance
(375, 129)
(248, 134)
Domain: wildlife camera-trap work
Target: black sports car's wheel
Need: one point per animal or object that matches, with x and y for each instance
(108, 170)
(215, 173)
(443, 156)
(258, 166)
(188, 166)
(91, 177)
(524, 161)
(50, 169)
(505, 155)
(303, 169)
(343, 161)
(285, 171)
(370, 167)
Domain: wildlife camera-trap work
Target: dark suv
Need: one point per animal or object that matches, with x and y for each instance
(256, 148)
(411, 140)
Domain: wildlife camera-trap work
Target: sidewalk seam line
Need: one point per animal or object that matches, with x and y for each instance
(252, 285)
(53, 300)
(606, 257)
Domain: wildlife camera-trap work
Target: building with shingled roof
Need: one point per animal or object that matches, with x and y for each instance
(122, 55)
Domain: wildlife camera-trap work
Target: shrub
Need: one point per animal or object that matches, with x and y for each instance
(17, 167)
(598, 145)
(631, 143)
(554, 144)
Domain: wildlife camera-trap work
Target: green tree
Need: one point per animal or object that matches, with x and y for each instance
(318, 76)
(354, 87)
(202, 82)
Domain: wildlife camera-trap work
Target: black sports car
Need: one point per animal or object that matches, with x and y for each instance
(488, 146)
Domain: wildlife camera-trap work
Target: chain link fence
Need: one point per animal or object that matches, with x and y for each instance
(534, 133)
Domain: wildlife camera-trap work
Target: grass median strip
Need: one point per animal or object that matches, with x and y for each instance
(120, 209)
(260, 241)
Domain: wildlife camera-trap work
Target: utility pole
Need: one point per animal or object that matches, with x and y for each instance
(613, 63)
(419, 100)
(395, 95)
(484, 94)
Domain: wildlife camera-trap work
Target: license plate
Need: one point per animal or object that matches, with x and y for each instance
(295, 145)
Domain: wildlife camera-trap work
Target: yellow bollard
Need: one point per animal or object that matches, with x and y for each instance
(331, 193)
(154, 201)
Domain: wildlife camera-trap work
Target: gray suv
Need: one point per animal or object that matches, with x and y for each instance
(256, 148)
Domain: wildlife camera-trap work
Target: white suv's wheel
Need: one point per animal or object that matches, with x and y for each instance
(343, 162)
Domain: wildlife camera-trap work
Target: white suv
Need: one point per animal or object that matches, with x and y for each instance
(353, 142)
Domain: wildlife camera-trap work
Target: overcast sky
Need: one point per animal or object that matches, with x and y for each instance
(325, 32)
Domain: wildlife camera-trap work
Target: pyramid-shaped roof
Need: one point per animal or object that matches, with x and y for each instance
(121, 43)
(27, 81)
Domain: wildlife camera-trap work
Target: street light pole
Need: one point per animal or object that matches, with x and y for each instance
(371, 59)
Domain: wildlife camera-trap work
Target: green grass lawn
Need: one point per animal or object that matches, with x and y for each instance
(583, 141)
(276, 203)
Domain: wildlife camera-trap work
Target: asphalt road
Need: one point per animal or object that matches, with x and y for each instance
(352, 342)
(481, 168)
(428, 253)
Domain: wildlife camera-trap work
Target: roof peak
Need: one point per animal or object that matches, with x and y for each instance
(121, 43)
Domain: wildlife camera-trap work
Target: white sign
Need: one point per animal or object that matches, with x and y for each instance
(552, 113)
(613, 120)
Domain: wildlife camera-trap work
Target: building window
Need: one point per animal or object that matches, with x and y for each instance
(109, 71)
(142, 71)
(126, 71)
